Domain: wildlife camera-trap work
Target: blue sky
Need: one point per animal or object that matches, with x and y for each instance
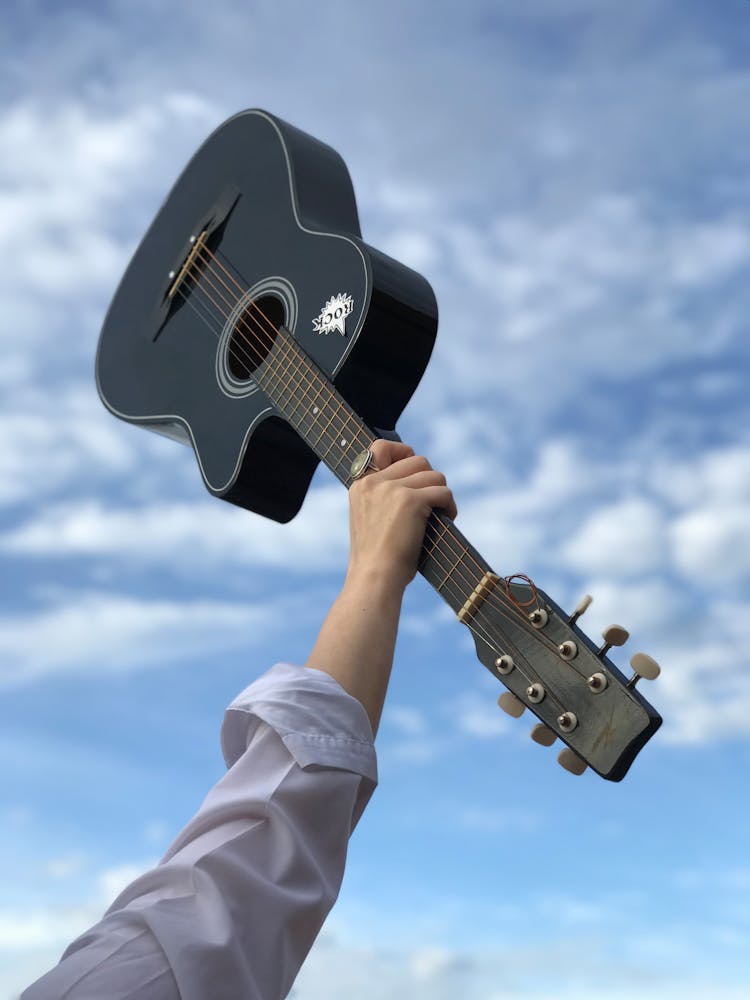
(574, 181)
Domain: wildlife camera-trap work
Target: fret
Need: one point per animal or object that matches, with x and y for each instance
(292, 379)
(449, 563)
(325, 429)
(449, 574)
(306, 398)
(306, 417)
(312, 406)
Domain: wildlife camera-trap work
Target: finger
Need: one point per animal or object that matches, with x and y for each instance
(439, 498)
(429, 487)
(418, 480)
(406, 467)
(385, 453)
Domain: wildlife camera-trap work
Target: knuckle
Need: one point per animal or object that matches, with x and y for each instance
(361, 485)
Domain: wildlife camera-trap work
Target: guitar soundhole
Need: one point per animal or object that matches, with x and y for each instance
(253, 335)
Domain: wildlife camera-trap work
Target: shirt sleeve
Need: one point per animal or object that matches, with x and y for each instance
(235, 904)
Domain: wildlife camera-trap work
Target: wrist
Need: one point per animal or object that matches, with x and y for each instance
(375, 584)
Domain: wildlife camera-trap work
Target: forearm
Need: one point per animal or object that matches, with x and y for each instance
(358, 637)
(389, 509)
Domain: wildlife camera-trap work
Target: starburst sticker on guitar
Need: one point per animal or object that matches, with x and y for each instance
(333, 314)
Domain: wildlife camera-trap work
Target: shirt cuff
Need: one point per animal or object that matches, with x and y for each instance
(318, 721)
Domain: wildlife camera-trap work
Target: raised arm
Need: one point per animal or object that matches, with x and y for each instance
(235, 904)
(389, 509)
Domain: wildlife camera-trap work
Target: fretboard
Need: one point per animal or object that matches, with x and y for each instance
(306, 398)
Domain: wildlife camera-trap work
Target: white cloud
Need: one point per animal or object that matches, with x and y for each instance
(716, 476)
(703, 692)
(112, 881)
(33, 937)
(646, 606)
(60, 238)
(32, 929)
(608, 288)
(118, 632)
(413, 248)
(209, 534)
(714, 543)
(478, 716)
(408, 737)
(626, 538)
(68, 168)
(490, 819)
(406, 719)
(49, 444)
(550, 967)
(65, 866)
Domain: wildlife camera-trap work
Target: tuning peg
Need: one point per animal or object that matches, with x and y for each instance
(543, 735)
(583, 605)
(643, 666)
(510, 704)
(571, 761)
(613, 635)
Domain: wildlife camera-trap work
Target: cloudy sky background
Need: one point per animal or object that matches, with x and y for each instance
(574, 180)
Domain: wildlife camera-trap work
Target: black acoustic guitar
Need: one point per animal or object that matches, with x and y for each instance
(254, 324)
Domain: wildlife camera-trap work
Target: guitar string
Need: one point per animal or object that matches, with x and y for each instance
(502, 609)
(290, 348)
(483, 633)
(324, 385)
(503, 605)
(214, 330)
(493, 639)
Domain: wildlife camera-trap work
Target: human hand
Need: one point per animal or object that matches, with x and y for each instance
(389, 508)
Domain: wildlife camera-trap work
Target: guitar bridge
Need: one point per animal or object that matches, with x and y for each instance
(198, 245)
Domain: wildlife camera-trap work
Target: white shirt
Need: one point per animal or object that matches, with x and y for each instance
(234, 906)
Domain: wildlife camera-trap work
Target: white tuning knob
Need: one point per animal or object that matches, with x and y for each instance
(613, 635)
(543, 735)
(583, 605)
(643, 666)
(510, 704)
(571, 761)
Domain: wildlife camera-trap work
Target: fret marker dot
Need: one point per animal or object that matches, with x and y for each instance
(315, 409)
(343, 442)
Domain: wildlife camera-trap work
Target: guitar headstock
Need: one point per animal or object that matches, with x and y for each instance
(552, 668)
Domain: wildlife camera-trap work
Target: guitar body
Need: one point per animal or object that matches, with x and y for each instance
(280, 221)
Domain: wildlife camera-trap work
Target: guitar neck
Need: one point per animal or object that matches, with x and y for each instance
(309, 401)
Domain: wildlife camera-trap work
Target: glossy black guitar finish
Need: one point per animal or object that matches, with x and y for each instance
(279, 210)
(254, 323)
